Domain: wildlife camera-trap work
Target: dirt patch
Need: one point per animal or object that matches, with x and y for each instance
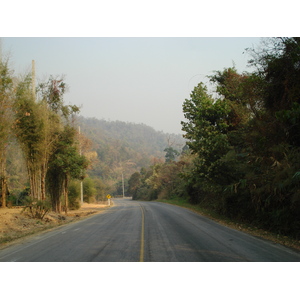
(16, 224)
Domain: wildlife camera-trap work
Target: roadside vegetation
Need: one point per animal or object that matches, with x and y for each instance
(51, 158)
(241, 159)
(39, 144)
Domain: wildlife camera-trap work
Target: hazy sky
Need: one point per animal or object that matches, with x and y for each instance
(140, 80)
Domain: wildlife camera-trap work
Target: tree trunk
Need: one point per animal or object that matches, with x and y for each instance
(4, 190)
(43, 179)
(3, 183)
(66, 185)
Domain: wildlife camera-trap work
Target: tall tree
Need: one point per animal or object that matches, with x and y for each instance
(38, 126)
(6, 90)
(65, 163)
(30, 132)
(206, 128)
(50, 95)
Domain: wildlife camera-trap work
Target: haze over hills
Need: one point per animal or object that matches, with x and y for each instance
(124, 148)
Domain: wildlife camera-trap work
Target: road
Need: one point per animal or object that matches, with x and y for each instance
(136, 231)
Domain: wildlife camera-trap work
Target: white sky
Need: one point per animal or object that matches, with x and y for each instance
(140, 80)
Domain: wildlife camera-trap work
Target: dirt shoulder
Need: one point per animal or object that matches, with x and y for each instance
(15, 224)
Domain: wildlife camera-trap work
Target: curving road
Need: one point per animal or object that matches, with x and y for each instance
(134, 231)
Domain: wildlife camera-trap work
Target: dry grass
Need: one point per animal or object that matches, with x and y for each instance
(15, 224)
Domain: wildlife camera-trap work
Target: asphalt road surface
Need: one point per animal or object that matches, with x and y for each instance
(136, 231)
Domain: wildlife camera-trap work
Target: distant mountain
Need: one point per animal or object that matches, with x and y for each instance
(124, 147)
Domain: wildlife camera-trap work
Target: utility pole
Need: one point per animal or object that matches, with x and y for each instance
(33, 80)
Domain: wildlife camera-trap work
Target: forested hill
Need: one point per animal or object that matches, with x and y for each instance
(140, 137)
(123, 147)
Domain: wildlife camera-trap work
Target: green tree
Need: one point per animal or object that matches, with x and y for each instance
(65, 163)
(74, 194)
(133, 184)
(206, 131)
(39, 127)
(30, 132)
(277, 63)
(89, 190)
(102, 189)
(171, 154)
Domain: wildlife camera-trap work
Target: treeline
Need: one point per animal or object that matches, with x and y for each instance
(39, 145)
(243, 158)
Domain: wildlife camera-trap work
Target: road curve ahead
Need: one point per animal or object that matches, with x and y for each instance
(133, 231)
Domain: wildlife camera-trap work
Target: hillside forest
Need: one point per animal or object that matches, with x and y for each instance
(242, 157)
(119, 149)
(239, 154)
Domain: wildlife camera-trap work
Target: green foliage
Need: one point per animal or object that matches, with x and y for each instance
(89, 190)
(51, 92)
(6, 93)
(65, 163)
(74, 194)
(133, 184)
(160, 181)
(277, 62)
(101, 188)
(29, 125)
(171, 154)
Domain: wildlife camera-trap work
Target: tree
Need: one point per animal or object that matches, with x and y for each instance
(40, 130)
(133, 184)
(206, 128)
(171, 154)
(30, 132)
(277, 63)
(243, 92)
(64, 164)
(89, 190)
(6, 91)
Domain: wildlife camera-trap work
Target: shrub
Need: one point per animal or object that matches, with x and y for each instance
(74, 195)
(37, 209)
